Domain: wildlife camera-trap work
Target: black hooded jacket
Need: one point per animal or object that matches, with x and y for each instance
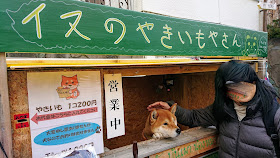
(237, 139)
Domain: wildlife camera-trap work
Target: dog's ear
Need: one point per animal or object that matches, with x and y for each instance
(153, 117)
(173, 108)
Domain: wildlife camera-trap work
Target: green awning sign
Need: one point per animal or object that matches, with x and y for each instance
(68, 26)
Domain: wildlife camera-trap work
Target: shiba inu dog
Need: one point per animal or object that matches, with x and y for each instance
(161, 124)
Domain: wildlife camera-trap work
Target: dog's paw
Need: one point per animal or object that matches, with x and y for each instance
(157, 136)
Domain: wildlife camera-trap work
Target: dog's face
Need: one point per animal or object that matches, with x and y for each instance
(69, 82)
(164, 122)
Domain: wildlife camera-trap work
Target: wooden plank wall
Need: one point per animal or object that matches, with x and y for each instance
(194, 90)
(18, 96)
(5, 123)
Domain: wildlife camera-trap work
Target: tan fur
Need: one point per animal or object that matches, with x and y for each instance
(155, 128)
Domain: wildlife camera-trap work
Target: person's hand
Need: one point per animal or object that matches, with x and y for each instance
(158, 105)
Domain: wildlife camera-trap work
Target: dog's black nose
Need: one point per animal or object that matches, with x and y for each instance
(178, 130)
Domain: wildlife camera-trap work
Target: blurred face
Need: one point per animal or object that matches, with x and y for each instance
(241, 92)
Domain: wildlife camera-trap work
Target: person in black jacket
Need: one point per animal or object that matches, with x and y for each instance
(242, 108)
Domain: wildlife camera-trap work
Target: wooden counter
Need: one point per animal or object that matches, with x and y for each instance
(189, 143)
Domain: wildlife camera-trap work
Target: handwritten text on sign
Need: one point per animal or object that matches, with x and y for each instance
(77, 27)
(114, 105)
(65, 111)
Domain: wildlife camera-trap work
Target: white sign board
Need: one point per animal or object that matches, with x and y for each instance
(114, 105)
(269, 5)
(65, 110)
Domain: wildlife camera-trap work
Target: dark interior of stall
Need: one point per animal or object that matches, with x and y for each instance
(191, 91)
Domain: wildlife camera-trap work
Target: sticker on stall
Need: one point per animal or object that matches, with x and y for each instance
(22, 125)
(21, 116)
(21, 120)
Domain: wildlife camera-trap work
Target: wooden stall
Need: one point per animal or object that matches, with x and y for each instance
(193, 88)
(42, 117)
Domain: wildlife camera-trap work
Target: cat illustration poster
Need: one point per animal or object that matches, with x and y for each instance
(67, 102)
(69, 87)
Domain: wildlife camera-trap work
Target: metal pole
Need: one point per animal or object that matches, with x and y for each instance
(265, 19)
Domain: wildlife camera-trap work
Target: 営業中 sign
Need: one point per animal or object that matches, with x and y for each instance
(114, 105)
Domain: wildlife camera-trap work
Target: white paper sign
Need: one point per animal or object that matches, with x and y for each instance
(268, 5)
(65, 111)
(114, 105)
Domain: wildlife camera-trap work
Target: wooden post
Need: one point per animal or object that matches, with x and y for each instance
(135, 149)
(5, 118)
